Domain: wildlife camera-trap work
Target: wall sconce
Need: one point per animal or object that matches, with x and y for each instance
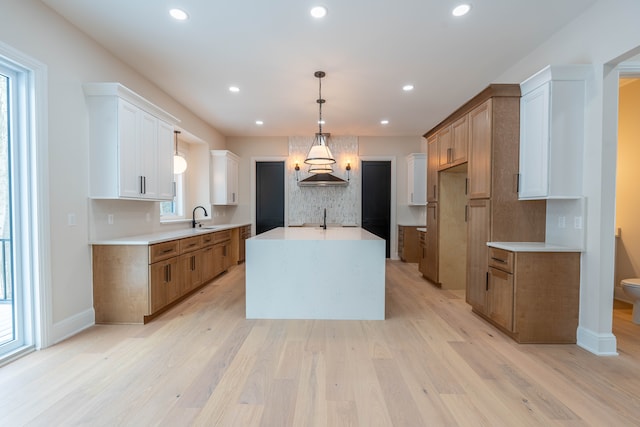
(297, 168)
(348, 171)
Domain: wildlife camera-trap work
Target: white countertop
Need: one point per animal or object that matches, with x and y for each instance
(317, 233)
(422, 229)
(531, 247)
(150, 239)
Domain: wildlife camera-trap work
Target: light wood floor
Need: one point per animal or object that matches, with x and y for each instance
(431, 363)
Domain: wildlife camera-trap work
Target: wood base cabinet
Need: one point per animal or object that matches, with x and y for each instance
(533, 296)
(408, 248)
(135, 283)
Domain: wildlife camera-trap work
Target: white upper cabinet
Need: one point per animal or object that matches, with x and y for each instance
(225, 177)
(130, 145)
(417, 179)
(552, 110)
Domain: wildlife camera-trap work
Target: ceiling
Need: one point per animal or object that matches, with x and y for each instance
(369, 49)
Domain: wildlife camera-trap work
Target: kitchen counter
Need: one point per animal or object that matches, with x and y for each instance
(311, 273)
(531, 247)
(422, 229)
(150, 239)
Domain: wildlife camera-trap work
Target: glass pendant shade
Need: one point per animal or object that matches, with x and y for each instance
(319, 153)
(320, 169)
(179, 164)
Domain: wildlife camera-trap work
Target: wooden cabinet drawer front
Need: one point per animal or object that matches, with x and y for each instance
(221, 236)
(207, 239)
(190, 244)
(246, 231)
(421, 238)
(164, 250)
(501, 259)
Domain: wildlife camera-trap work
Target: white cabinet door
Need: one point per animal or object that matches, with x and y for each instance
(149, 155)
(225, 178)
(129, 150)
(534, 143)
(552, 114)
(417, 179)
(165, 161)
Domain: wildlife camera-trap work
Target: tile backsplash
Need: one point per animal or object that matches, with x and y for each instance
(307, 204)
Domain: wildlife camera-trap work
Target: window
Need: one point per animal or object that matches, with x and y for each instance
(175, 208)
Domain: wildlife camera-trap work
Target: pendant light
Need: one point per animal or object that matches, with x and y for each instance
(320, 157)
(179, 162)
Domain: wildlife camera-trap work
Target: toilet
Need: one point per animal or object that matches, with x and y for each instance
(631, 287)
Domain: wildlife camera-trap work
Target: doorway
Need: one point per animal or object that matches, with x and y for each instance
(270, 196)
(376, 200)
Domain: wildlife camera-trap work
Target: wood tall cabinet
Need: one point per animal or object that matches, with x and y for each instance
(431, 244)
(494, 212)
(134, 283)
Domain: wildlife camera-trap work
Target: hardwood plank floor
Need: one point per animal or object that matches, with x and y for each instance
(431, 363)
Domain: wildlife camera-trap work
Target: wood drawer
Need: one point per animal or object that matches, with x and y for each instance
(207, 239)
(164, 250)
(501, 259)
(422, 238)
(190, 244)
(221, 236)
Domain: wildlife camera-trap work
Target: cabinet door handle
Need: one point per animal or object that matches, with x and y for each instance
(487, 281)
(466, 213)
(502, 261)
(141, 179)
(449, 155)
(517, 183)
(174, 189)
(466, 186)
(411, 197)
(169, 268)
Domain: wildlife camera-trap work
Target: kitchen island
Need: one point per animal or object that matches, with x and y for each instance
(313, 273)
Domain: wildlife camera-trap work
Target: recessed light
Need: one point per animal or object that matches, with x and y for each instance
(319, 12)
(179, 14)
(384, 122)
(259, 122)
(460, 10)
(407, 88)
(234, 89)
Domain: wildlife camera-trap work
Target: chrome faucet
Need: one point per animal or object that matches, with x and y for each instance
(193, 222)
(324, 221)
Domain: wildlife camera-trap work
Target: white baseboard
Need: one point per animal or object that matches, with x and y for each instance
(598, 344)
(72, 325)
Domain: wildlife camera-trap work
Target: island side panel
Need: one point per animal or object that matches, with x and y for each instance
(315, 279)
(120, 283)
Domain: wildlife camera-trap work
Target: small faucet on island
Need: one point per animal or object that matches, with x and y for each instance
(193, 222)
(324, 220)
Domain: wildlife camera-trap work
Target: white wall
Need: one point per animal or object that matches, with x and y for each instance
(72, 59)
(604, 35)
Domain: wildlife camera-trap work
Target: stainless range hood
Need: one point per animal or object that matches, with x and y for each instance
(323, 180)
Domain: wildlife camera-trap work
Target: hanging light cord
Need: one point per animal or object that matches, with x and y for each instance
(320, 101)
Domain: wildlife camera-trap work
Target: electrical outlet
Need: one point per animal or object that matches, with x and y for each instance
(577, 222)
(562, 222)
(110, 219)
(71, 219)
